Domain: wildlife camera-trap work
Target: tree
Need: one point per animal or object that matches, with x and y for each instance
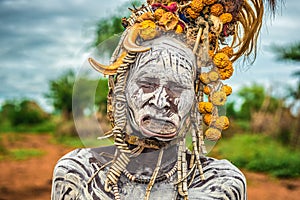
(60, 93)
(8, 110)
(289, 52)
(89, 92)
(253, 97)
(256, 99)
(111, 25)
(292, 53)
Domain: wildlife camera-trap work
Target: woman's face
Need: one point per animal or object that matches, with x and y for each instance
(160, 93)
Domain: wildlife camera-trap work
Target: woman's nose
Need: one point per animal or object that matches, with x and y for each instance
(160, 98)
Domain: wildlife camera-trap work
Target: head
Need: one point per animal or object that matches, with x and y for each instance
(160, 89)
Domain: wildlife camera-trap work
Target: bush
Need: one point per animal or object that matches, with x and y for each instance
(26, 112)
(262, 154)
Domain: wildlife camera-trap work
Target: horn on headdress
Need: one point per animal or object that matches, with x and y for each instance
(130, 40)
(110, 69)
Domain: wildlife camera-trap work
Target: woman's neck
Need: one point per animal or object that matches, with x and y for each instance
(146, 162)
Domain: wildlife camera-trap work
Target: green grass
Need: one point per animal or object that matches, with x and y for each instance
(24, 154)
(261, 154)
(76, 142)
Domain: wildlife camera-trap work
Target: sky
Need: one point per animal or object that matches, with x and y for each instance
(42, 39)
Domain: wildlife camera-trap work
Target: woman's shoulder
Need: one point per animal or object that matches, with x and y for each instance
(85, 160)
(74, 171)
(222, 180)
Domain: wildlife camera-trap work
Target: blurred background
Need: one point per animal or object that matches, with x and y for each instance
(44, 48)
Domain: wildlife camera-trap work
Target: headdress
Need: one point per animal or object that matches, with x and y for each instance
(218, 32)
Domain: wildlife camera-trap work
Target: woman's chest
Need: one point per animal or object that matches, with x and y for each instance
(164, 190)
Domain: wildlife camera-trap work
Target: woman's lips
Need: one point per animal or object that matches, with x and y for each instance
(154, 127)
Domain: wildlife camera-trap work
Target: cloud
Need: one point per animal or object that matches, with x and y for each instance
(41, 39)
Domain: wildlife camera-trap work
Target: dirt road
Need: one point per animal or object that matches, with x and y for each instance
(31, 179)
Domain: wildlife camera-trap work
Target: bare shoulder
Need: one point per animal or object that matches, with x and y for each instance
(223, 180)
(73, 173)
(84, 160)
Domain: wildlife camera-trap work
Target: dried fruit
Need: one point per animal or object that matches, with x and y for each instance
(207, 119)
(147, 30)
(213, 76)
(146, 16)
(226, 18)
(217, 9)
(205, 107)
(197, 5)
(219, 98)
(204, 78)
(222, 123)
(227, 89)
(209, 2)
(228, 51)
(221, 60)
(192, 13)
(206, 90)
(159, 13)
(226, 72)
(213, 134)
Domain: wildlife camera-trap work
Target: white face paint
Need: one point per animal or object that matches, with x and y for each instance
(160, 91)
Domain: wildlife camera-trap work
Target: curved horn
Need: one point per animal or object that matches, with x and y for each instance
(129, 41)
(107, 70)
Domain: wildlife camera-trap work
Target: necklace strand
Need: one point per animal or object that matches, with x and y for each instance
(141, 180)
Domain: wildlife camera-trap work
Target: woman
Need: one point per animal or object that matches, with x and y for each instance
(171, 57)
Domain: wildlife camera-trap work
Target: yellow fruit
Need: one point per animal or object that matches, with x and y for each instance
(222, 123)
(227, 89)
(213, 76)
(221, 60)
(213, 134)
(201, 107)
(217, 9)
(218, 98)
(207, 119)
(228, 51)
(148, 30)
(197, 5)
(205, 107)
(204, 78)
(192, 13)
(226, 72)
(159, 13)
(209, 2)
(169, 20)
(226, 18)
(208, 107)
(207, 90)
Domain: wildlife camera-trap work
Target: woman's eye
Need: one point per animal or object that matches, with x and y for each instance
(147, 88)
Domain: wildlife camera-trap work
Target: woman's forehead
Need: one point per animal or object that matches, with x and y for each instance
(163, 75)
(167, 55)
